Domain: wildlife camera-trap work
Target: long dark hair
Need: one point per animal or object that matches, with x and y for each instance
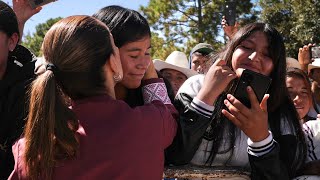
(126, 25)
(279, 103)
(76, 49)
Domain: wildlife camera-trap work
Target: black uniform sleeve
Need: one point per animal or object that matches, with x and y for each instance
(191, 128)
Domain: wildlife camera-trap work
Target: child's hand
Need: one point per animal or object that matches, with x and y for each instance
(151, 72)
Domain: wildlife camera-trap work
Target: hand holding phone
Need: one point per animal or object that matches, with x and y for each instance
(258, 82)
(230, 12)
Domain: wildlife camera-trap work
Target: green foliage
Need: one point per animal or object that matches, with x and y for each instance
(34, 42)
(184, 23)
(297, 20)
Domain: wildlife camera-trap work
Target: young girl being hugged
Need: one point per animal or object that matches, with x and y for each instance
(98, 137)
(215, 129)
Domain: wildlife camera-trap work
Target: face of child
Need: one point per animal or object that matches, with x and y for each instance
(135, 59)
(199, 62)
(300, 95)
(176, 78)
(253, 54)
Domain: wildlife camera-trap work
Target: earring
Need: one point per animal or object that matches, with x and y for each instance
(117, 77)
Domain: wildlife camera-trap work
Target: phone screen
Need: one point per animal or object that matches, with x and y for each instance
(258, 82)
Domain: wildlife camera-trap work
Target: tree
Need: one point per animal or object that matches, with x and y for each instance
(296, 20)
(184, 23)
(34, 42)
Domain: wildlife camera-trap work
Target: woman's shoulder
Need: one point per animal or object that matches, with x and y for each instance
(192, 85)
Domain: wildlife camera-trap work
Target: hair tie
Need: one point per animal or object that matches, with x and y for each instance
(51, 67)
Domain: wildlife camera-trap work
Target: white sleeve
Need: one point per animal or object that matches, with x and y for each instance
(312, 134)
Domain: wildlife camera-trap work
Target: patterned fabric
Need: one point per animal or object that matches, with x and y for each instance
(155, 91)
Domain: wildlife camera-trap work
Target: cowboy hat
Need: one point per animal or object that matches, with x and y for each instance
(315, 64)
(177, 61)
(291, 62)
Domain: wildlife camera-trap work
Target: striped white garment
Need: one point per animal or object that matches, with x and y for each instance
(312, 134)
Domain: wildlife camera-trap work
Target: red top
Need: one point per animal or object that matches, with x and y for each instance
(116, 141)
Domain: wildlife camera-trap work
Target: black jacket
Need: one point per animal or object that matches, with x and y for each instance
(13, 104)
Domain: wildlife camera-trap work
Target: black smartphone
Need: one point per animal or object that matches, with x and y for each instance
(230, 12)
(315, 52)
(37, 3)
(258, 82)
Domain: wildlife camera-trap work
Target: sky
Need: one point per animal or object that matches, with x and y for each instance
(64, 8)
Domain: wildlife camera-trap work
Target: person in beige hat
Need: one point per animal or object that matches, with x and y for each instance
(198, 57)
(175, 69)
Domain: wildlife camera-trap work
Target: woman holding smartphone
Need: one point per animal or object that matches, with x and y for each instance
(216, 129)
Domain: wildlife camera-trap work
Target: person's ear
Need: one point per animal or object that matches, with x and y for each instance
(13, 41)
(115, 65)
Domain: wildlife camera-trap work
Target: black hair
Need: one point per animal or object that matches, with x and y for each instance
(126, 25)
(8, 20)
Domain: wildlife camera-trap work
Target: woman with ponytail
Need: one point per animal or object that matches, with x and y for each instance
(97, 137)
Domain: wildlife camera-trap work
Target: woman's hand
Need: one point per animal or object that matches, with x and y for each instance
(254, 121)
(150, 72)
(216, 80)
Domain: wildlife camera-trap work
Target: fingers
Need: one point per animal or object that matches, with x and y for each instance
(235, 107)
(264, 103)
(36, 10)
(231, 117)
(252, 97)
(219, 62)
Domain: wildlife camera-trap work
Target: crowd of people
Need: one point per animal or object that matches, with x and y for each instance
(96, 106)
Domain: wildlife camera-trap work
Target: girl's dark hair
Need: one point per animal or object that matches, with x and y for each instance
(126, 25)
(279, 103)
(8, 20)
(300, 74)
(76, 49)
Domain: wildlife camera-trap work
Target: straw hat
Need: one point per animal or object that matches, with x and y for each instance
(291, 62)
(314, 64)
(177, 61)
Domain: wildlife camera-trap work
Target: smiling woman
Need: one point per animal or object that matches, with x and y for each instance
(132, 36)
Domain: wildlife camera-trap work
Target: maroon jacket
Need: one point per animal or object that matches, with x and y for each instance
(116, 141)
